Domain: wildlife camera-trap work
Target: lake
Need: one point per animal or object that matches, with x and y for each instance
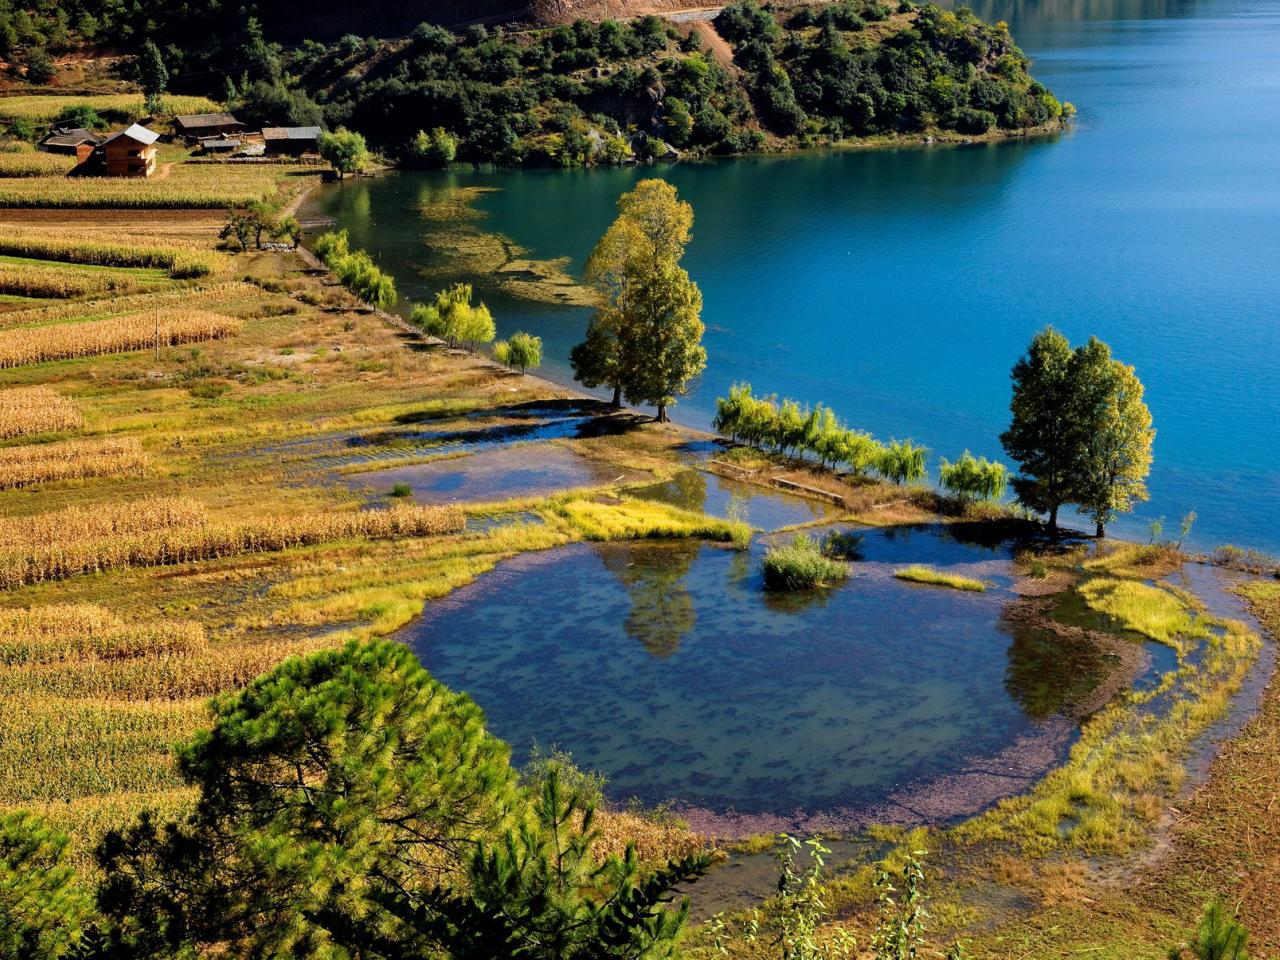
(899, 286)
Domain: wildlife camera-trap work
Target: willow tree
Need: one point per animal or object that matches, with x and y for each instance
(645, 339)
(1041, 437)
(1115, 434)
(974, 478)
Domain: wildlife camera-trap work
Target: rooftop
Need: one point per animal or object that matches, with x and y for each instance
(136, 132)
(206, 120)
(69, 137)
(290, 133)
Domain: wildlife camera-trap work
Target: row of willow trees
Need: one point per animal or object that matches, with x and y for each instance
(787, 428)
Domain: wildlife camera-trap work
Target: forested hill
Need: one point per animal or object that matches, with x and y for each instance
(599, 93)
(579, 94)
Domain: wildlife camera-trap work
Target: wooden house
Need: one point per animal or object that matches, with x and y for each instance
(290, 141)
(219, 144)
(69, 140)
(129, 153)
(203, 126)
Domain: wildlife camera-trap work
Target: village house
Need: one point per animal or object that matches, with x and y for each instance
(70, 140)
(219, 144)
(129, 153)
(290, 141)
(202, 126)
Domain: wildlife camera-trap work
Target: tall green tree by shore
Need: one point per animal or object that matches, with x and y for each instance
(1114, 427)
(1081, 432)
(645, 339)
(1040, 436)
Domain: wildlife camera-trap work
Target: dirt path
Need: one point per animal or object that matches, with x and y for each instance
(711, 39)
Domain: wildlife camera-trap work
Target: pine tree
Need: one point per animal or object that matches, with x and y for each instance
(328, 787)
(153, 77)
(43, 907)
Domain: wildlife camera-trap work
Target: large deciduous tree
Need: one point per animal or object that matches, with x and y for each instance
(153, 76)
(645, 340)
(1081, 432)
(1115, 434)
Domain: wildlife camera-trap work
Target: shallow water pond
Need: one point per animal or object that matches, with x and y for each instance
(497, 474)
(667, 667)
(719, 496)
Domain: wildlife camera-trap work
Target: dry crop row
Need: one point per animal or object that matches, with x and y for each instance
(64, 632)
(35, 164)
(27, 410)
(143, 331)
(70, 460)
(31, 280)
(41, 108)
(187, 296)
(57, 561)
(187, 186)
(181, 262)
(75, 524)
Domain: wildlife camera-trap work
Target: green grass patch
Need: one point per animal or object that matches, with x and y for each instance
(919, 573)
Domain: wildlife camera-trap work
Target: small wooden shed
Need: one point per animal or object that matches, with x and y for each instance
(202, 126)
(290, 141)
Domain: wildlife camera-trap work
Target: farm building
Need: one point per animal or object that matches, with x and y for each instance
(69, 140)
(130, 153)
(202, 126)
(219, 144)
(290, 141)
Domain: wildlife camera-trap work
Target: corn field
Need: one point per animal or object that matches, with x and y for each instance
(66, 632)
(27, 410)
(187, 186)
(41, 563)
(35, 165)
(182, 262)
(75, 524)
(186, 296)
(143, 331)
(42, 109)
(70, 460)
(29, 280)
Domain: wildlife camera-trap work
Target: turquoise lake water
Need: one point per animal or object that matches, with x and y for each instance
(899, 287)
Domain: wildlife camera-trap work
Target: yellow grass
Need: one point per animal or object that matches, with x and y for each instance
(635, 519)
(117, 335)
(27, 564)
(70, 460)
(27, 410)
(42, 108)
(918, 573)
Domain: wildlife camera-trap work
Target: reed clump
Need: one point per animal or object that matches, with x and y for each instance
(28, 410)
(70, 460)
(39, 563)
(919, 573)
(801, 564)
(165, 328)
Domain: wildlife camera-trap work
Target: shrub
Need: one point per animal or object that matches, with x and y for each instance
(801, 564)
